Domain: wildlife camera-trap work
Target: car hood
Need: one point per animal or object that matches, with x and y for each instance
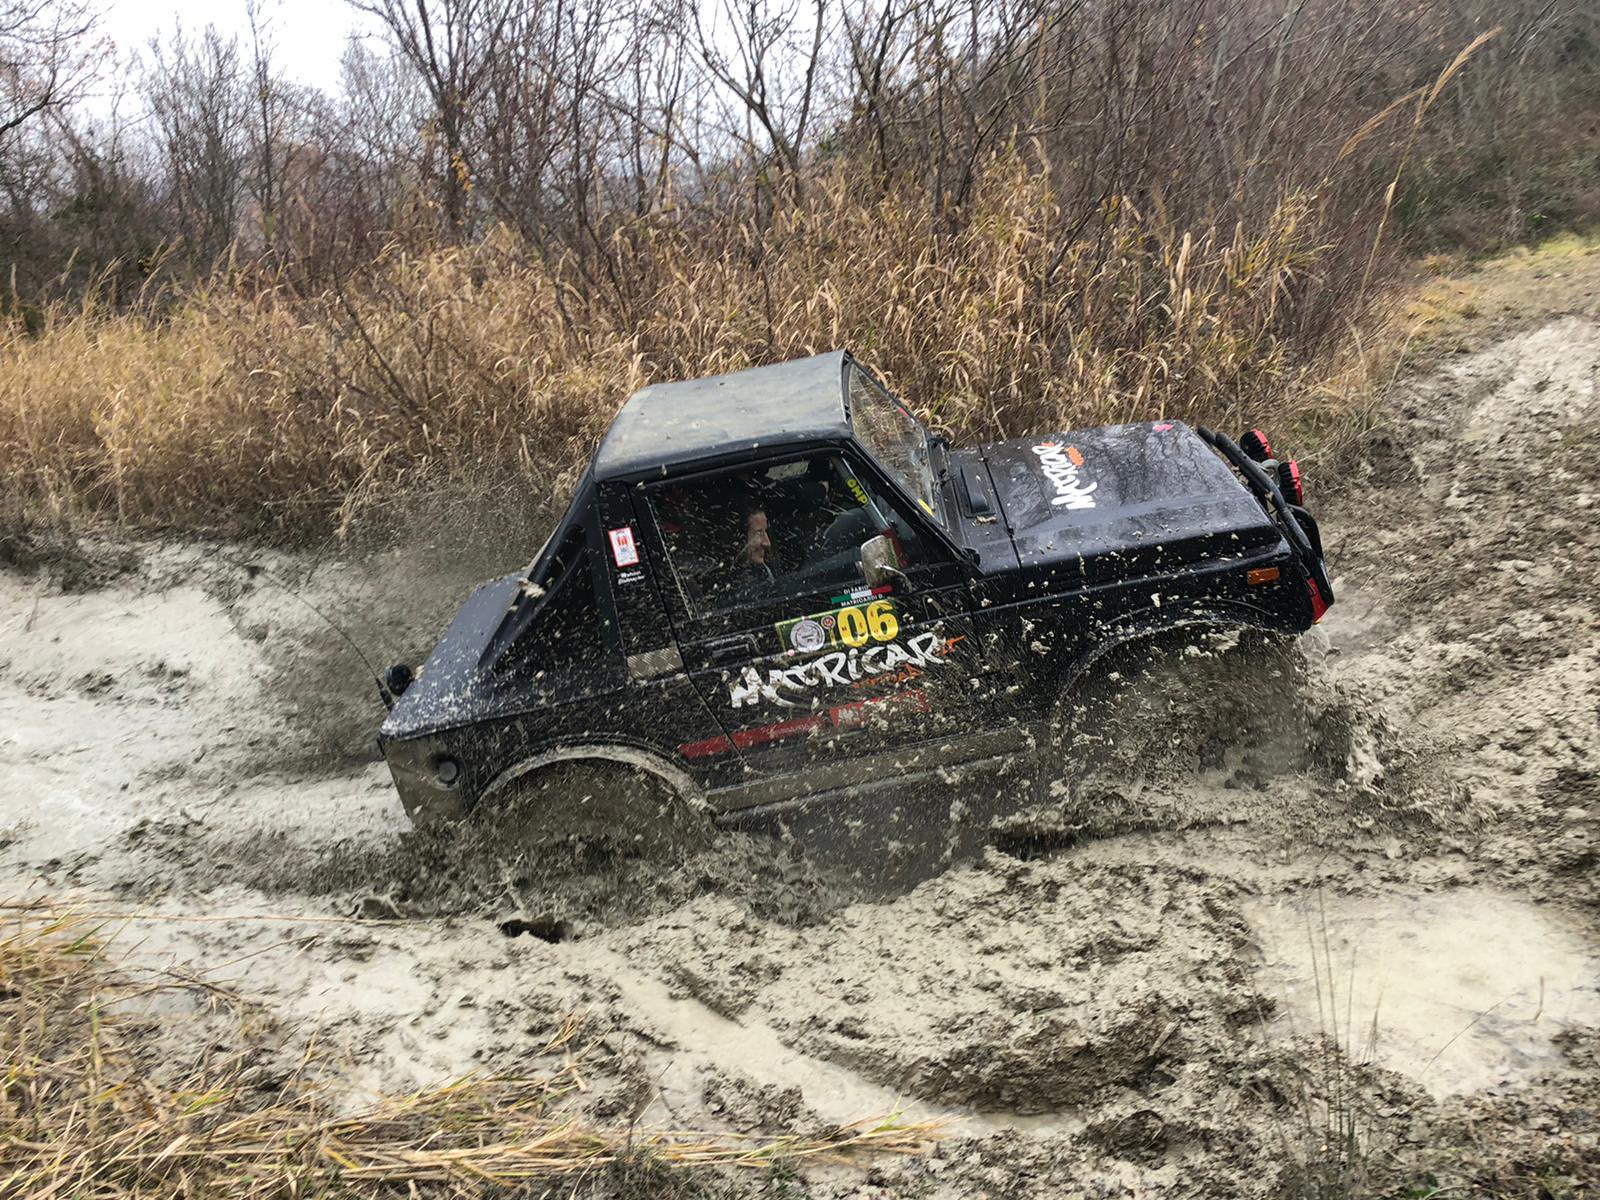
(1123, 500)
(453, 686)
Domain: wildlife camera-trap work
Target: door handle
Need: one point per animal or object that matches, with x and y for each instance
(731, 649)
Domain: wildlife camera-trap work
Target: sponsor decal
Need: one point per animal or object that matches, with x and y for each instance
(856, 490)
(808, 636)
(1060, 465)
(633, 576)
(623, 551)
(904, 675)
(861, 595)
(853, 625)
(841, 668)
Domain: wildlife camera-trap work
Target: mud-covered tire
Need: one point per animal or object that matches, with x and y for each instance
(592, 808)
(1163, 706)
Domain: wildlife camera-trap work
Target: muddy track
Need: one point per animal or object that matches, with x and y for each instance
(1392, 842)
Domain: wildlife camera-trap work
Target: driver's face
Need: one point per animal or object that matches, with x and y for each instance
(756, 541)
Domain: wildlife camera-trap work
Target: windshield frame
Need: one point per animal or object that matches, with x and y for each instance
(906, 456)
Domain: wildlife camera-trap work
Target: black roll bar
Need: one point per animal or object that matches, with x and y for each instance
(1265, 486)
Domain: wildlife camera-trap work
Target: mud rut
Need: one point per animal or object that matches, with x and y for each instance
(1396, 829)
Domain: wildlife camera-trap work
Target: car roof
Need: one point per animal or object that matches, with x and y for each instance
(667, 425)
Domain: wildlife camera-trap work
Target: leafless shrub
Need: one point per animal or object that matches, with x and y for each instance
(1028, 214)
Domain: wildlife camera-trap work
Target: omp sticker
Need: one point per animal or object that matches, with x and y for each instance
(1059, 465)
(854, 625)
(807, 635)
(623, 551)
(856, 490)
(842, 668)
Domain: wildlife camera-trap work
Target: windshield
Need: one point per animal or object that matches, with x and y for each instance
(893, 437)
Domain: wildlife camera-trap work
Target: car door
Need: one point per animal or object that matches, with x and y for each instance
(801, 661)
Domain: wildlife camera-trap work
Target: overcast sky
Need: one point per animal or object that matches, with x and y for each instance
(310, 35)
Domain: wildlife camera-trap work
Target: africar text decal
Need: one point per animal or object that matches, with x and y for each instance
(840, 669)
(1060, 466)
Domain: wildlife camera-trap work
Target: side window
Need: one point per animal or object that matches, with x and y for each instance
(761, 536)
(568, 618)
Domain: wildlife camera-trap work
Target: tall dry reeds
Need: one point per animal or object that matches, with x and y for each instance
(263, 409)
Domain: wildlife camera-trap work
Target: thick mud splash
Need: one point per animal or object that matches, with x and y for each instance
(1115, 981)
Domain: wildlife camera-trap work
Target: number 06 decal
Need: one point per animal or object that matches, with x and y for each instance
(877, 623)
(854, 625)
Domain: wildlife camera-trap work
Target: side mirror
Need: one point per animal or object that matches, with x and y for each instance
(880, 564)
(398, 678)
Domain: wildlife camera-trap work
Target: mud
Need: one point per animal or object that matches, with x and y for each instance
(1462, 991)
(1114, 989)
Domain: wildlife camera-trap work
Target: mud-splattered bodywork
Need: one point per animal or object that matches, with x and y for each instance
(1030, 559)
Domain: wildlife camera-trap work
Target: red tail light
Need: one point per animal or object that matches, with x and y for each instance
(1318, 604)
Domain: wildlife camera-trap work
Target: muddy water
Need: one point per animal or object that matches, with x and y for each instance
(1098, 968)
(754, 1049)
(1460, 990)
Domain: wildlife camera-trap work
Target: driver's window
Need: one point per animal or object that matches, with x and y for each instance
(750, 538)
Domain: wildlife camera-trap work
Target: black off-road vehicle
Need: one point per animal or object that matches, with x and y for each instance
(774, 589)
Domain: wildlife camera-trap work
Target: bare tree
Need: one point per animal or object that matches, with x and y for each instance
(768, 57)
(269, 117)
(452, 45)
(46, 60)
(197, 92)
(45, 57)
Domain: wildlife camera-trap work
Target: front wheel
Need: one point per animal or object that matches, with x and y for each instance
(592, 808)
(1179, 706)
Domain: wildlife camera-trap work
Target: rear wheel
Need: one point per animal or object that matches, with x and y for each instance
(592, 808)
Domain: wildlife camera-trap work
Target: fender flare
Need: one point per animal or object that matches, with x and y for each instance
(675, 777)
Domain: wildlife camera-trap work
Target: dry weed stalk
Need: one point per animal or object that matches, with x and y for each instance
(249, 410)
(80, 1117)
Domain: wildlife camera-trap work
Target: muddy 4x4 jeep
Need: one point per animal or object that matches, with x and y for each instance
(774, 586)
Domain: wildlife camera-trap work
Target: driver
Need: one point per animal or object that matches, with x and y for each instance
(757, 541)
(753, 571)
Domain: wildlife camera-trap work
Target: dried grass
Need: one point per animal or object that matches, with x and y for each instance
(81, 1116)
(249, 410)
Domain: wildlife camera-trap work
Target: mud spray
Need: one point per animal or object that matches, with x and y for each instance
(1376, 849)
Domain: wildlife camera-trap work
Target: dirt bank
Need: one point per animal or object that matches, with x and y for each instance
(1128, 992)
